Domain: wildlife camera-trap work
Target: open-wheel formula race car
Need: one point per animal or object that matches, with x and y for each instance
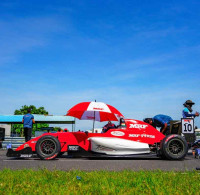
(136, 139)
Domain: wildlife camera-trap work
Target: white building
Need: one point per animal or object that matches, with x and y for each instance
(7, 129)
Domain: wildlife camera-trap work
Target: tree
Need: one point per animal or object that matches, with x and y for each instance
(18, 128)
(34, 110)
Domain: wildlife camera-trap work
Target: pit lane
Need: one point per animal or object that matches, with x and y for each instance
(64, 163)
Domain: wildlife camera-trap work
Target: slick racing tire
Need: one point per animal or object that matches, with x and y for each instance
(48, 147)
(174, 147)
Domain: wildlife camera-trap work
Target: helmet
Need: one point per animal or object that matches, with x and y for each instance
(188, 102)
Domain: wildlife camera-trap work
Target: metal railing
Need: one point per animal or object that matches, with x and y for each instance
(13, 142)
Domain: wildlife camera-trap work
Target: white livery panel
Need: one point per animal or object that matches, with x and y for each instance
(118, 146)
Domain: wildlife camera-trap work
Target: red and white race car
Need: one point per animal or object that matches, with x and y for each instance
(135, 139)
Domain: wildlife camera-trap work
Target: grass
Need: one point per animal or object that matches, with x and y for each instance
(28, 181)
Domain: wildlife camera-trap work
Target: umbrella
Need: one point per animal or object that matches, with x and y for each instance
(96, 111)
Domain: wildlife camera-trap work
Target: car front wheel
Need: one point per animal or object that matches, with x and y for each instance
(48, 147)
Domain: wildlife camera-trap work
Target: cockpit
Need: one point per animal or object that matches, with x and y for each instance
(122, 124)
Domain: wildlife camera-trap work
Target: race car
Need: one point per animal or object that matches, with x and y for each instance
(134, 139)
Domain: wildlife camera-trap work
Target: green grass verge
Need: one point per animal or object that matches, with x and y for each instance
(98, 182)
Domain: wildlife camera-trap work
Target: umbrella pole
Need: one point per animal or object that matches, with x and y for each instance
(93, 127)
(93, 121)
(74, 124)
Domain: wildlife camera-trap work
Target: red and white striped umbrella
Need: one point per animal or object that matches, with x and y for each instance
(97, 111)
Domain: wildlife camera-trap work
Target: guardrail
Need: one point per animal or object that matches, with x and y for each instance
(13, 142)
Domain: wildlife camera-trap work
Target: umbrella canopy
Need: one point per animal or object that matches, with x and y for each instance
(97, 111)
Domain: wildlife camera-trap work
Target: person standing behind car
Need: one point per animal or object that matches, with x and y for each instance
(162, 121)
(28, 120)
(187, 111)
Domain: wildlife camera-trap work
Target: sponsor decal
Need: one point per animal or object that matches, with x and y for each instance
(33, 142)
(26, 155)
(90, 117)
(103, 148)
(169, 138)
(134, 135)
(117, 133)
(138, 126)
(98, 109)
(142, 135)
(52, 157)
(187, 120)
(73, 148)
(148, 136)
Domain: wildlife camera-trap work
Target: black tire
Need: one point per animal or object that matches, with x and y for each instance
(48, 147)
(174, 147)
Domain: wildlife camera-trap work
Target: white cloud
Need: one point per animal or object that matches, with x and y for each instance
(132, 104)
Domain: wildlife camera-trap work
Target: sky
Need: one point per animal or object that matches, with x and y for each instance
(142, 57)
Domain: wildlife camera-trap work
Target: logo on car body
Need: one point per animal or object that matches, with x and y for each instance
(138, 126)
(26, 155)
(103, 148)
(73, 148)
(142, 135)
(117, 133)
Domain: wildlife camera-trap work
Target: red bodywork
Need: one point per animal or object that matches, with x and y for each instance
(135, 130)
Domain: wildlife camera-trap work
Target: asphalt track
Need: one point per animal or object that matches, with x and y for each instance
(64, 163)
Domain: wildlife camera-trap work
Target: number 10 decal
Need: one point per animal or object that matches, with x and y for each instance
(187, 125)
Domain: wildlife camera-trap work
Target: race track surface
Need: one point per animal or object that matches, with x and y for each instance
(64, 163)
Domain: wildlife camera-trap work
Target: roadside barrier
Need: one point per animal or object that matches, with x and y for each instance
(13, 142)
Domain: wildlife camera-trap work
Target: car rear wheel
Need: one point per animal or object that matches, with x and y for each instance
(48, 147)
(174, 147)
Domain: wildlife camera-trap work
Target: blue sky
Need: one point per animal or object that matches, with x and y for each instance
(140, 56)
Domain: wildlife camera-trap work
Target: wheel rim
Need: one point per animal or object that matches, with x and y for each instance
(48, 147)
(176, 147)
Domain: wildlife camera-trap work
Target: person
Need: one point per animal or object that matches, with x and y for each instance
(108, 126)
(122, 124)
(187, 111)
(28, 120)
(162, 121)
(66, 130)
(60, 130)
